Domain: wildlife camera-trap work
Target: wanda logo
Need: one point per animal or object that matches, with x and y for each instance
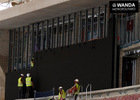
(123, 6)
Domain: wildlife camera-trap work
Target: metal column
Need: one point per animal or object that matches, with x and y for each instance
(13, 58)
(86, 26)
(32, 41)
(92, 23)
(69, 29)
(42, 36)
(27, 46)
(37, 32)
(127, 37)
(52, 34)
(80, 27)
(74, 22)
(104, 22)
(22, 49)
(121, 30)
(63, 30)
(137, 25)
(115, 52)
(47, 30)
(9, 58)
(134, 29)
(57, 31)
(98, 25)
(18, 41)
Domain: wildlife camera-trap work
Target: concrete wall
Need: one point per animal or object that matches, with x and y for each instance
(4, 46)
(2, 84)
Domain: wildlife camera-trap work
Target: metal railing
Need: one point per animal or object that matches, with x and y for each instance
(106, 93)
(88, 86)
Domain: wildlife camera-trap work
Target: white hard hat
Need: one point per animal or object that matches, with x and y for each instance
(60, 87)
(21, 74)
(28, 74)
(76, 80)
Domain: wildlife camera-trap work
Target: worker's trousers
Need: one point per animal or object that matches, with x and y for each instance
(75, 96)
(29, 92)
(20, 92)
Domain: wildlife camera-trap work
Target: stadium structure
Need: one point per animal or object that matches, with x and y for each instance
(70, 39)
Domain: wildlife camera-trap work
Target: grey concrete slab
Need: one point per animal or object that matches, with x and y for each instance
(38, 10)
(4, 42)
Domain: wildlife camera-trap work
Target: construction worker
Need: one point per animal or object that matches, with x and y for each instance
(76, 89)
(29, 86)
(62, 94)
(20, 86)
(32, 62)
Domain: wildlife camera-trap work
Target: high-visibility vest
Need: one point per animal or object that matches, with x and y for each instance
(28, 81)
(32, 64)
(63, 95)
(20, 84)
(78, 89)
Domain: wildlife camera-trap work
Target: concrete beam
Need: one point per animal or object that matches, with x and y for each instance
(38, 10)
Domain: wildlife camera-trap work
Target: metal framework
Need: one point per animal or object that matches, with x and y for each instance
(53, 33)
(129, 29)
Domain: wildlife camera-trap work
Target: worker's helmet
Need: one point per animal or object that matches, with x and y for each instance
(76, 80)
(21, 74)
(32, 58)
(60, 87)
(28, 74)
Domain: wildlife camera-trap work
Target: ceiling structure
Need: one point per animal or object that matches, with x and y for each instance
(38, 10)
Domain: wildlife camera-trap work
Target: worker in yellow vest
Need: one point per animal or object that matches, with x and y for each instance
(62, 94)
(76, 89)
(20, 86)
(32, 62)
(29, 86)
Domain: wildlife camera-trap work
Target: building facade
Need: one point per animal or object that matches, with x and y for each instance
(70, 39)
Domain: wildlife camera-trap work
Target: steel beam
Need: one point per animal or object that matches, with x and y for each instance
(57, 31)
(27, 46)
(32, 41)
(22, 49)
(92, 23)
(98, 25)
(86, 26)
(52, 34)
(42, 36)
(63, 30)
(9, 58)
(69, 29)
(105, 28)
(74, 24)
(36, 42)
(47, 30)
(13, 60)
(18, 41)
(80, 27)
